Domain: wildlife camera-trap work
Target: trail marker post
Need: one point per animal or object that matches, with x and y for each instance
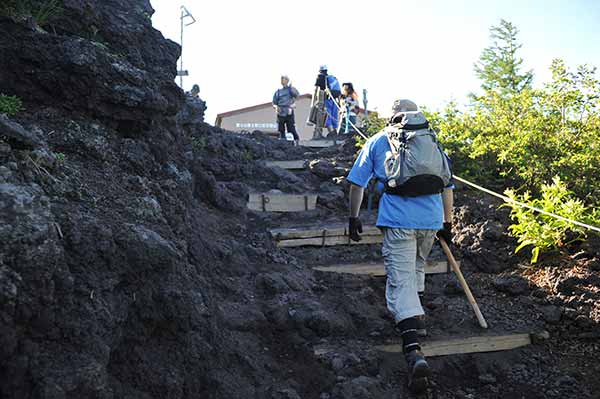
(365, 102)
(184, 14)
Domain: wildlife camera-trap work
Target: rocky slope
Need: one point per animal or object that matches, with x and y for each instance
(127, 268)
(130, 267)
(112, 269)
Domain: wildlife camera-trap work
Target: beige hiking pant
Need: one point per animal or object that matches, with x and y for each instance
(405, 253)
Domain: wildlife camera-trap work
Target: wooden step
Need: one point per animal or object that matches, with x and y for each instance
(271, 202)
(289, 165)
(466, 345)
(378, 269)
(318, 143)
(328, 239)
(323, 236)
(319, 231)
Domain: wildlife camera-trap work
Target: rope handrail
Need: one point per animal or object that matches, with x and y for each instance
(521, 204)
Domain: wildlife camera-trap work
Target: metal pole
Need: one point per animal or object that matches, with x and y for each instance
(365, 102)
(184, 14)
(181, 43)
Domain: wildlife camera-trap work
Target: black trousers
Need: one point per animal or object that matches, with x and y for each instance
(288, 122)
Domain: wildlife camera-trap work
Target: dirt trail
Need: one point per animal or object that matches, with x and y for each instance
(511, 300)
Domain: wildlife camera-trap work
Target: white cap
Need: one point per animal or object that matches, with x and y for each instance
(323, 68)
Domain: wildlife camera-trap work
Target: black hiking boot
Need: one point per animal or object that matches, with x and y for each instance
(418, 371)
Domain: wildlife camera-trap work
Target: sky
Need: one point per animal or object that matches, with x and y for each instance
(422, 50)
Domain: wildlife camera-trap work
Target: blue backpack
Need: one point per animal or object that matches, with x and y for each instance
(334, 86)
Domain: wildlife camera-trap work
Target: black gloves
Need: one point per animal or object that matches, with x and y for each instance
(445, 233)
(354, 227)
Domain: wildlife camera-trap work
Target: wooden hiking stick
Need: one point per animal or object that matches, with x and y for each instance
(463, 283)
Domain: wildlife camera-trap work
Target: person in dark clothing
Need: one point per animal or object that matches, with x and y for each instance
(195, 92)
(321, 81)
(325, 113)
(284, 102)
(193, 109)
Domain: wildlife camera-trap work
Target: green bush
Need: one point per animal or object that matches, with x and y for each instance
(10, 105)
(60, 158)
(456, 131)
(42, 11)
(512, 135)
(199, 143)
(544, 232)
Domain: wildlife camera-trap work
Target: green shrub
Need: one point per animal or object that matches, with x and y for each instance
(10, 105)
(246, 155)
(199, 143)
(47, 11)
(544, 232)
(60, 158)
(512, 135)
(457, 131)
(42, 11)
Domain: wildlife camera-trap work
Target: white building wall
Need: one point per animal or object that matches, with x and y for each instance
(265, 119)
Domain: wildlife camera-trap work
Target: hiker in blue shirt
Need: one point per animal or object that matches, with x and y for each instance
(410, 215)
(327, 87)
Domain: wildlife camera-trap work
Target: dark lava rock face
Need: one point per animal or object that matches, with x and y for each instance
(128, 267)
(106, 61)
(114, 262)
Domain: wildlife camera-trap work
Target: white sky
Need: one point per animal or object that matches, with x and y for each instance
(422, 50)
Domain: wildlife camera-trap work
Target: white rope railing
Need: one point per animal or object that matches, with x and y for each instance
(521, 204)
(340, 109)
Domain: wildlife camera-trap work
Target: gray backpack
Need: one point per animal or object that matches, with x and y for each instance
(416, 164)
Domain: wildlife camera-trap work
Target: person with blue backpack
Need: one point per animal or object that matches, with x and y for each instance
(416, 205)
(327, 87)
(284, 102)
